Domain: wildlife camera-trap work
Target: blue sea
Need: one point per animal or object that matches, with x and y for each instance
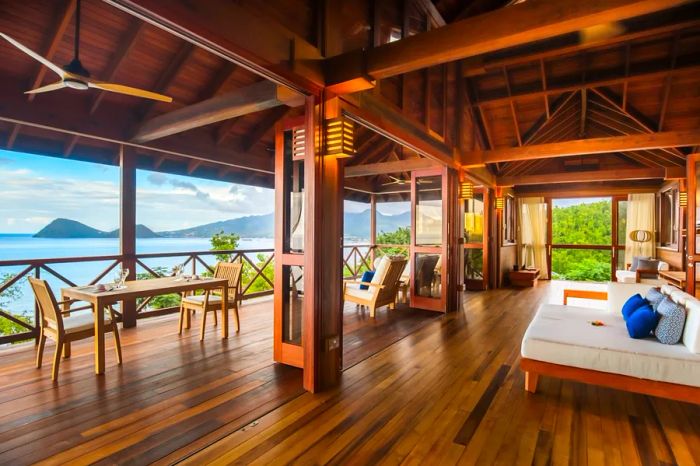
(15, 246)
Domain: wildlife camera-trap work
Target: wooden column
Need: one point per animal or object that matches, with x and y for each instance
(455, 251)
(127, 226)
(373, 225)
(323, 313)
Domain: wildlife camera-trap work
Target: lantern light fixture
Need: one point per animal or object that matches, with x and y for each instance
(500, 203)
(466, 190)
(683, 199)
(340, 137)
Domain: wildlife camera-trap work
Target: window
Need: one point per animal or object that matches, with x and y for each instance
(667, 218)
(509, 220)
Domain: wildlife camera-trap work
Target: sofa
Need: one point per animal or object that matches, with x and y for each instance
(561, 342)
(635, 275)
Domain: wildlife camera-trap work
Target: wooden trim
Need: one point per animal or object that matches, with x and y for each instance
(584, 294)
(389, 167)
(668, 390)
(594, 175)
(691, 239)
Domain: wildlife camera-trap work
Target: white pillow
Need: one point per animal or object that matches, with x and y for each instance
(691, 332)
(380, 270)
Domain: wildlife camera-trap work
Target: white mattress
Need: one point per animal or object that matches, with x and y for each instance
(563, 335)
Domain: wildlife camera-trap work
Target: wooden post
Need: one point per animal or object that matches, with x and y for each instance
(372, 226)
(323, 306)
(127, 227)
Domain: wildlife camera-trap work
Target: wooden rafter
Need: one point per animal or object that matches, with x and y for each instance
(268, 122)
(667, 83)
(62, 23)
(12, 137)
(586, 146)
(385, 168)
(594, 175)
(428, 8)
(513, 113)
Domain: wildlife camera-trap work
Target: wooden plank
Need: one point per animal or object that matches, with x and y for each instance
(385, 168)
(536, 20)
(585, 146)
(232, 31)
(242, 101)
(594, 175)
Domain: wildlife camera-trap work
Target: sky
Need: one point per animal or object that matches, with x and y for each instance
(36, 189)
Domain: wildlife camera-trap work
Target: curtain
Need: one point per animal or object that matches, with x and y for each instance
(533, 233)
(640, 216)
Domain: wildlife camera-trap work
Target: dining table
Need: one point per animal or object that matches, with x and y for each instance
(101, 296)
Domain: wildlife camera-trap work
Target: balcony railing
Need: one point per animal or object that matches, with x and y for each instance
(257, 278)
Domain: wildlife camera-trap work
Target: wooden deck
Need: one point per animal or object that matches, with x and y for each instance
(440, 390)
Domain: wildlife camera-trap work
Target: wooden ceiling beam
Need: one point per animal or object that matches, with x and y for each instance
(480, 65)
(386, 168)
(268, 122)
(217, 83)
(254, 98)
(126, 45)
(536, 20)
(585, 146)
(59, 30)
(612, 77)
(427, 7)
(593, 175)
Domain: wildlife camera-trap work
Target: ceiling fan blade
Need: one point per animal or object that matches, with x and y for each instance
(128, 90)
(48, 88)
(387, 184)
(53, 67)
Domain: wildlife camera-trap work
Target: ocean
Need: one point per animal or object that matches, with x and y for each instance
(15, 246)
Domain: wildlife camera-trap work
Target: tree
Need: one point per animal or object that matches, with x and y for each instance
(402, 235)
(224, 242)
(163, 301)
(13, 293)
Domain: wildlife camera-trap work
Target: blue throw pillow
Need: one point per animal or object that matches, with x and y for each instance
(632, 304)
(642, 321)
(367, 277)
(669, 330)
(654, 297)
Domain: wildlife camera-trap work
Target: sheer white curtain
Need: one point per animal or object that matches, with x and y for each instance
(641, 210)
(533, 233)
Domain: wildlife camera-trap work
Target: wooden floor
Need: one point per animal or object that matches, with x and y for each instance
(443, 390)
(172, 396)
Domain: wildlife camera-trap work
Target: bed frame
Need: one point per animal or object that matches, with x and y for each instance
(534, 369)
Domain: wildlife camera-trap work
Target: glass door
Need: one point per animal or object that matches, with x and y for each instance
(428, 239)
(475, 246)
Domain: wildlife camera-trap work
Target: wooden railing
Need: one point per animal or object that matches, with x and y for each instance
(256, 280)
(257, 275)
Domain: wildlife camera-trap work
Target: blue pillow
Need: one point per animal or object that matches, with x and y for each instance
(642, 321)
(669, 330)
(367, 277)
(631, 305)
(654, 297)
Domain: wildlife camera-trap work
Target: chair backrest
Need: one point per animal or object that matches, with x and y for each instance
(231, 271)
(391, 279)
(48, 308)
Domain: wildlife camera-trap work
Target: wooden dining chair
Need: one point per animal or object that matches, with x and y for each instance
(211, 300)
(65, 328)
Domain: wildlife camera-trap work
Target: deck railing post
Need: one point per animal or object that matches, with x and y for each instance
(372, 226)
(127, 227)
(37, 316)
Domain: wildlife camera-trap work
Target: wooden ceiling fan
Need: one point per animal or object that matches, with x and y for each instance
(75, 76)
(402, 182)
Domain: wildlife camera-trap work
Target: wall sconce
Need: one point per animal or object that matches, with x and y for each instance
(500, 202)
(683, 199)
(340, 137)
(466, 190)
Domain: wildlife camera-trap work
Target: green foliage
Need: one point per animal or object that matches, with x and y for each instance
(582, 224)
(259, 284)
(402, 235)
(7, 327)
(159, 302)
(222, 242)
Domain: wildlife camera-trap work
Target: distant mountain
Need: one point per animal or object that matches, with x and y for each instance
(252, 226)
(65, 228)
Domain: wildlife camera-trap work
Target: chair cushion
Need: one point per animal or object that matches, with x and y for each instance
(654, 296)
(380, 271)
(198, 300)
(642, 321)
(635, 262)
(648, 264)
(632, 304)
(669, 330)
(626, 276)
(352, 289)
(367, 277)
(79, 321)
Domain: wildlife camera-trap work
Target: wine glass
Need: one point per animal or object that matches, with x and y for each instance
(177, 271)
(124, 275)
